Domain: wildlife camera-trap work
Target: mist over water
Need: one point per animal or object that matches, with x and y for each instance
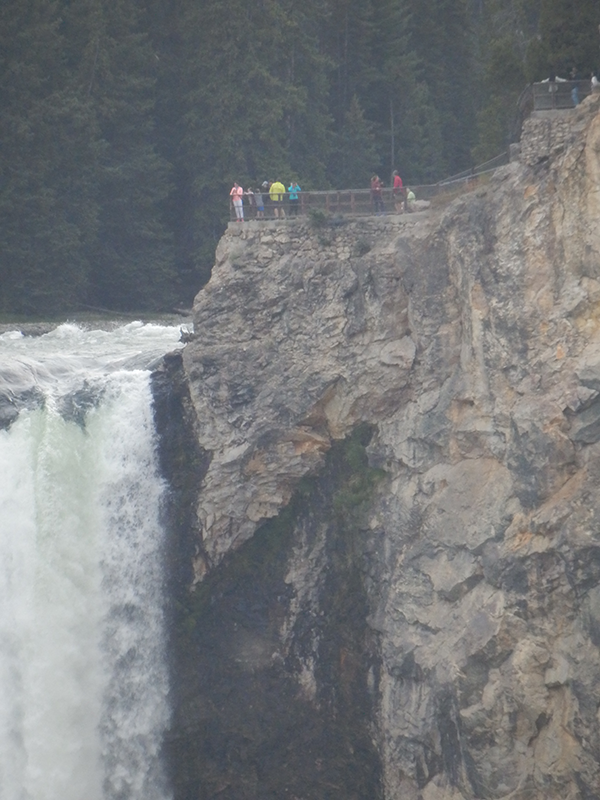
(83, 675)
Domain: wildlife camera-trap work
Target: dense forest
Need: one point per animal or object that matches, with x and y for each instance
(124, 122)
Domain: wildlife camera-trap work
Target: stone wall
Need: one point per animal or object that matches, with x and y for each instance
(548, 133)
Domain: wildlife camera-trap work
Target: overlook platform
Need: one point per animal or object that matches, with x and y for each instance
(550, 95)
(358, 202)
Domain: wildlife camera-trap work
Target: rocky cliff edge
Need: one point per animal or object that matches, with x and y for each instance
(469, 337)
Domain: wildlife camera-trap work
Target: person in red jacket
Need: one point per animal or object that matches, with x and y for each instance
(398, 192)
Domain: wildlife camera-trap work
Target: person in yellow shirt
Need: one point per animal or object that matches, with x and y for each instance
(277, 193)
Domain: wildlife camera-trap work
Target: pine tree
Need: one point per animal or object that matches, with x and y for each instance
(395, 66)
(124, 123)
(255, 102)
(419, 147)
(356, 156)
(166, 29)
(349, 39)
(440, 35)
(504, 78)
(132, 264)
(47, 139)
(400, 101)
(568, 37)
(307, 77)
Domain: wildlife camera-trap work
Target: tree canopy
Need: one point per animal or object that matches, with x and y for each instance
(123, 123)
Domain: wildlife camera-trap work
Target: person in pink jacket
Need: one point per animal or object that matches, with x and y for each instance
(236, 195)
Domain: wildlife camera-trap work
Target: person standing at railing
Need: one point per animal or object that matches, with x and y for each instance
(293, 190)
(411, 200)
(575, 89)
(398, 193)
(260, 203)
(236, 195)
(552, 82)
(277, 193)
(266, 185)
(251, 201)
(377, 194)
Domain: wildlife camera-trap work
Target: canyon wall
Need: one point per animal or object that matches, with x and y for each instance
(393, 575)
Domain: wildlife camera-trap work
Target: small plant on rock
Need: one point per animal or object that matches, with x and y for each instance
(317, 218)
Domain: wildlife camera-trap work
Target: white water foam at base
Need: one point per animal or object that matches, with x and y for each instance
(83, 675)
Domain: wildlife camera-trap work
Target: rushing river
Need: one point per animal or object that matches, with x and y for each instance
(83, 675)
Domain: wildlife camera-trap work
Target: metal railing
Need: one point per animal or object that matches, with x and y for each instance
(481, 169)
(354, 202)
(359, 202)
(550, 95)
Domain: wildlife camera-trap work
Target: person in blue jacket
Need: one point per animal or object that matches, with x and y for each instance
(294, 200)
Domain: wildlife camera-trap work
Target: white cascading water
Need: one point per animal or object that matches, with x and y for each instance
(83, 673)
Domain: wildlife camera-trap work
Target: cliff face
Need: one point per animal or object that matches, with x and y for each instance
(466, 341)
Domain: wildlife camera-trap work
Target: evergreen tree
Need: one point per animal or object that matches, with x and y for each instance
(47, 139)
(166, 28)
(132, 258)
(349, 38)
(389, 95)
(419, 141)
(356, 156)
(504, 78)
(123, 124)
(305, 73)
(255, 96)
(234, 105)
(519, 41)
(441, 38)
(568, 37)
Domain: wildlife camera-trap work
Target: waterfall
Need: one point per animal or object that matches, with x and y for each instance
(83, 675)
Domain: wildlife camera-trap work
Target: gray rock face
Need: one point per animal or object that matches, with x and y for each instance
(469, 337)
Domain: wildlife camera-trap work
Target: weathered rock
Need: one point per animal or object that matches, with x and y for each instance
(470, 338)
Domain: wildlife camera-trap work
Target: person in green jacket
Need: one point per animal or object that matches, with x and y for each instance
(277, 193)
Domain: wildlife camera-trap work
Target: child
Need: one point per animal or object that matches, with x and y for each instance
(260, 204)
(251, 201)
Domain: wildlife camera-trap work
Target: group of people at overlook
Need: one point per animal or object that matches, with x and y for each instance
(271, 199)
(403, 197)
